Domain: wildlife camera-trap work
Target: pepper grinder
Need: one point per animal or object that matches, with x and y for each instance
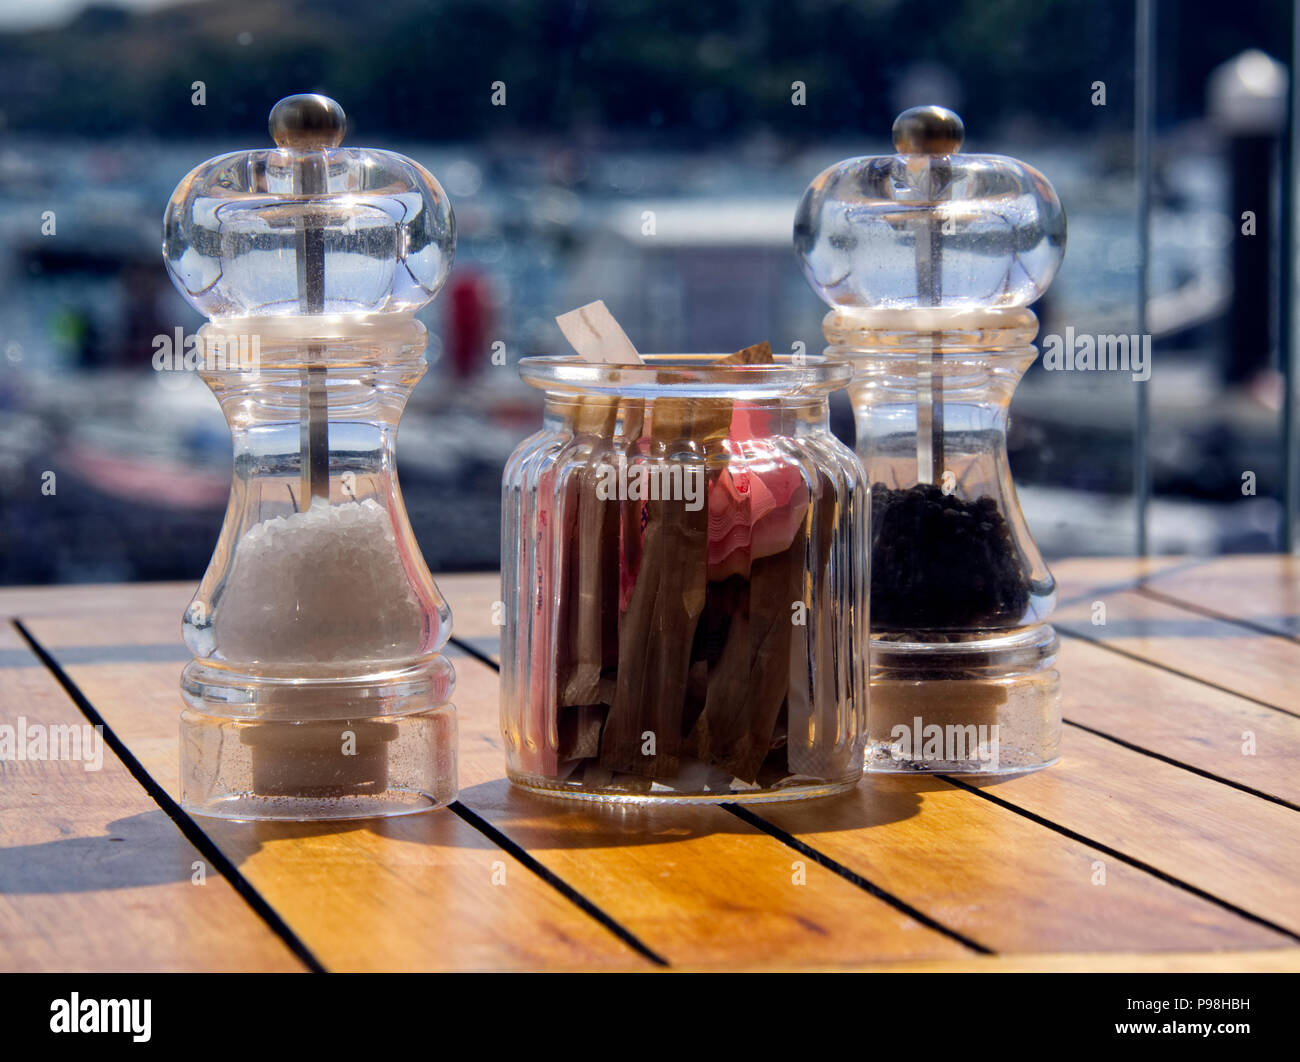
(317, 689)
(929, 260)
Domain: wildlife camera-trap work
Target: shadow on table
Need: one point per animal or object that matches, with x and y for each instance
(138, 851)
(495, 809)
(145, 849)
(534, 823)
(537, 822)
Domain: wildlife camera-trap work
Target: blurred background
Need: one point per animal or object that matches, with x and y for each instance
(683, 107)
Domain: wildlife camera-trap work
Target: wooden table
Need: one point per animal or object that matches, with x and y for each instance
(1167, 838)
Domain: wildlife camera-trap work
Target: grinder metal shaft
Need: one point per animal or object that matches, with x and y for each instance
(936, 133)
(311, 123)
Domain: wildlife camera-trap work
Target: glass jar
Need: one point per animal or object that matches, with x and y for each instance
(684, 568)
(963, 664)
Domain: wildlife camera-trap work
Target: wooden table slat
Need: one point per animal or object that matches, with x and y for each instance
(1213, 651)
(1010, 882)
(1182, 719)
(93, 874)
(1230, 844)
(1079, 577)
(1260, 590)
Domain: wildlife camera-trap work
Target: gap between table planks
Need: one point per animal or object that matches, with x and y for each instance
(503, 797)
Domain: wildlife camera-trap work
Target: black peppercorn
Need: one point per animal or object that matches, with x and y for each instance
(940, 562)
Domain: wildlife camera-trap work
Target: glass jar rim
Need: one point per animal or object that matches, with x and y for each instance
(689, 376)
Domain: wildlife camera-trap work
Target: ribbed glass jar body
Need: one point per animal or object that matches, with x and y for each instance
(683, 565)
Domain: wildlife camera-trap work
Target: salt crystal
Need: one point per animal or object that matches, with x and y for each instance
(322, 586)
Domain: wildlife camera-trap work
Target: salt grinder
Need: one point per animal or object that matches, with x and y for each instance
(317, 689)
(929, 260)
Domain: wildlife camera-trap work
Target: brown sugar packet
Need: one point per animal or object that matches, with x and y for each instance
(657, 632)
(705, 421)
(749, 677)
(643, 732)
(749, 684)
(561, 558)
(758, 354)
(588, 621)
(723, 600)
(589, 616)
(578, 731)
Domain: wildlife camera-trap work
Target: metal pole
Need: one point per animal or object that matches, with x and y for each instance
(1286, 337)
(1143, 118)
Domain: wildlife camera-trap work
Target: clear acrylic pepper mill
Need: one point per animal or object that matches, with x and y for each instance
(317, 689)
(929, 260)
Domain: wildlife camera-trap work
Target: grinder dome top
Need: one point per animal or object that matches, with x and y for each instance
(236, 228)
(928, 226)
